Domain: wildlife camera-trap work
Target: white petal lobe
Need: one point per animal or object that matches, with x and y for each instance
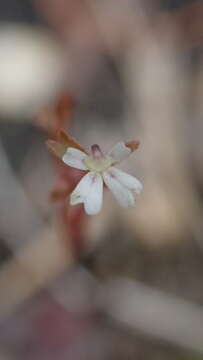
(93, 202)
(75, 158)
(80, 192)
(119, 152)
(127, 180)
(90, 192)
(123, 195)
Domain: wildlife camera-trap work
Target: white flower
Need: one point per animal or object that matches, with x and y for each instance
(101, 170)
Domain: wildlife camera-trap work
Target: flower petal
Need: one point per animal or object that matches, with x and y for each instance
(90, 192)
(123, 195)
(119, 152)
(93, 202)
(75, 158)
(127, 180)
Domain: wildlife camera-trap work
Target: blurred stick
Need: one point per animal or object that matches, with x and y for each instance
(41, 260)
(5, 356)
(189, 21)
(19, 220)
(33, 267)
(158, 85)
(139, 307)
(127, 18)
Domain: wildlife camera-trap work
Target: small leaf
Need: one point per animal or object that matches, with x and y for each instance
(56, 148)
(68, 141)
(132, 145)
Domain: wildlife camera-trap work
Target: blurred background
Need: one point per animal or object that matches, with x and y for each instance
(127, 283)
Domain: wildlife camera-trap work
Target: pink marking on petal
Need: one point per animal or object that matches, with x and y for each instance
(96, 151)
(112, 175)
(93, 179)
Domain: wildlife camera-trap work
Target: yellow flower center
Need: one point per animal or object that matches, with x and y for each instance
(98, 165)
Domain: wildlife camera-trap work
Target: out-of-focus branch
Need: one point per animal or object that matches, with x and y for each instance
(128, 19)
(139, 307)
(158, 83)
(5, 356)
(34, 267)
(189, 21)
(18, 218)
